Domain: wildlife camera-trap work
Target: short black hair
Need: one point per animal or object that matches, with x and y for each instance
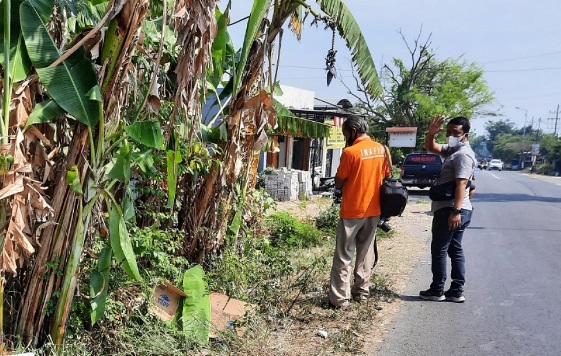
(357, 123)
(460, 120)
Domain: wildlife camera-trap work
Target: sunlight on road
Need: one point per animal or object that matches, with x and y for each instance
(494, 176)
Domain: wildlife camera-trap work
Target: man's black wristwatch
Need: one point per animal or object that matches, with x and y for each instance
(456, 211)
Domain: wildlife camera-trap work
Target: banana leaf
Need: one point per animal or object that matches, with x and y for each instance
(20, 64)
(148, 133)
(290, 125)
(99, 283)
(196, 306)
(258, 13)
(68, 83)
(121, 243)
(348, 29)
(45, 111)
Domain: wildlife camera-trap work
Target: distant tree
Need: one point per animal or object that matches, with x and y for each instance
(425, 88)
(477, 142)
(496, 128)
(550, 148)
(507, 146)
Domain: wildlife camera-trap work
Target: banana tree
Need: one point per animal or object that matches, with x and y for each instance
(250, 113)
(85, 177)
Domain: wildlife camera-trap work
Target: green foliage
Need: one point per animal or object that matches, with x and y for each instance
(328, 219)
(250, 270)
(157, 252)
(69, 83)
(551, 147)
(289, 231)
(121, 243)
(508, 147)
(544, 168)
(262, 177)
(196, 306)
(432, 87)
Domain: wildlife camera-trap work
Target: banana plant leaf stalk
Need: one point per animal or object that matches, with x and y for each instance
(7, 96)
(83, 223)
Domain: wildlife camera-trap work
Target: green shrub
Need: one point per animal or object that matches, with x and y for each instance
(286, 230)
(251, 270)
(544, 168)
(328, 219)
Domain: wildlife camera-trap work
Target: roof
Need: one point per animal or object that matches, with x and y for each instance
(332, 104)
(401, 129)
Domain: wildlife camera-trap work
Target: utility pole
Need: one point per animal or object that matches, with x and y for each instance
(556, 118)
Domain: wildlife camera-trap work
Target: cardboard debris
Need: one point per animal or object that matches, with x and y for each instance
(226, 310)
(165, 301)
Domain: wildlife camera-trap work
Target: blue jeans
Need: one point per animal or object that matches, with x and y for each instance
(446, 241)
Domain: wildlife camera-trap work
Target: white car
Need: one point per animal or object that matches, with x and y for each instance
(495, 164)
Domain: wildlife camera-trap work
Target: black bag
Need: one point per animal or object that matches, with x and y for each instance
(393, 195)
(444, 191)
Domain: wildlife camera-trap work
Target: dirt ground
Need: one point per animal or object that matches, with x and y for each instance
(360, 329)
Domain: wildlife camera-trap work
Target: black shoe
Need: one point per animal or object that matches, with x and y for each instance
(341, 306)
(454, 296)
(430, 294)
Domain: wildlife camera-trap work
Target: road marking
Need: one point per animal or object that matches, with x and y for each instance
(493, 175)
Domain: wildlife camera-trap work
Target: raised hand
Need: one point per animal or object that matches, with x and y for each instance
(436, 125)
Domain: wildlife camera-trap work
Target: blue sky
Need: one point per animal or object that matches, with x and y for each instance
(517, 43)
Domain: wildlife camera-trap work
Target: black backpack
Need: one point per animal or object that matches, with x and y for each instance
(393, 199)
(393, 195)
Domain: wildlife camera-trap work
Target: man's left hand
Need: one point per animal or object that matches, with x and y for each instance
(454, 221)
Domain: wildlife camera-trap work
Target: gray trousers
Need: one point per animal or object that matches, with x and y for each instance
(352, 235)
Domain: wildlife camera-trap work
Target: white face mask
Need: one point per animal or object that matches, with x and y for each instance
(454, 141)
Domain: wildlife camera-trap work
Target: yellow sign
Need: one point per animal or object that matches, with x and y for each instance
(336, 138)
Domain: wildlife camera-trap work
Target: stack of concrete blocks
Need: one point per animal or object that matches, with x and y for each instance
(304, 185)
(285, 185)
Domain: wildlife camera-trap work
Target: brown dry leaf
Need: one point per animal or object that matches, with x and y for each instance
(34, 132)
(14, 188)
(154, 102)
(20, 239)
(295, 26)
(24, 169)
(20, 107)
(8, 261)
(19, 156)
(5, 148)
(40, 228)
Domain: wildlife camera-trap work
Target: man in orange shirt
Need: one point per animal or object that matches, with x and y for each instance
(361, 171)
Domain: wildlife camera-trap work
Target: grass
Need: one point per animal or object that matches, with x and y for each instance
(285, 273)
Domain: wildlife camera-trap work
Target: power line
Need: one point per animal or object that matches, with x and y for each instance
(522, 70)
(489, 71)
(525, 57)
(303, 67)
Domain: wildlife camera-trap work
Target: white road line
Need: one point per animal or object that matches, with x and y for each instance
(493, 175)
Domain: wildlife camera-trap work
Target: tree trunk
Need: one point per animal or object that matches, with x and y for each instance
(34, 317)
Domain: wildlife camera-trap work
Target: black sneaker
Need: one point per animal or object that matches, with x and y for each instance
(430, 294)
(454, 296)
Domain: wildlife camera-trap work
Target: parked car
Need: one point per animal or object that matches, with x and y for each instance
(420, 169)
(495, 164)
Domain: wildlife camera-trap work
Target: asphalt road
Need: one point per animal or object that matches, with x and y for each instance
(513, 282)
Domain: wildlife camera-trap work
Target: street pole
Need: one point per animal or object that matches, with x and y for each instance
(523, 136)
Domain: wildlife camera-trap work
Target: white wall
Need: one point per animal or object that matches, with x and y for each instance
(296, 98)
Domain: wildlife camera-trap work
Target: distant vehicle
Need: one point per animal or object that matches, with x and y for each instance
(420, 169)
(482, 164)
(495, 164)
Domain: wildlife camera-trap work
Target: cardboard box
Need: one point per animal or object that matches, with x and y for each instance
(165, 301)
(226, 310)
